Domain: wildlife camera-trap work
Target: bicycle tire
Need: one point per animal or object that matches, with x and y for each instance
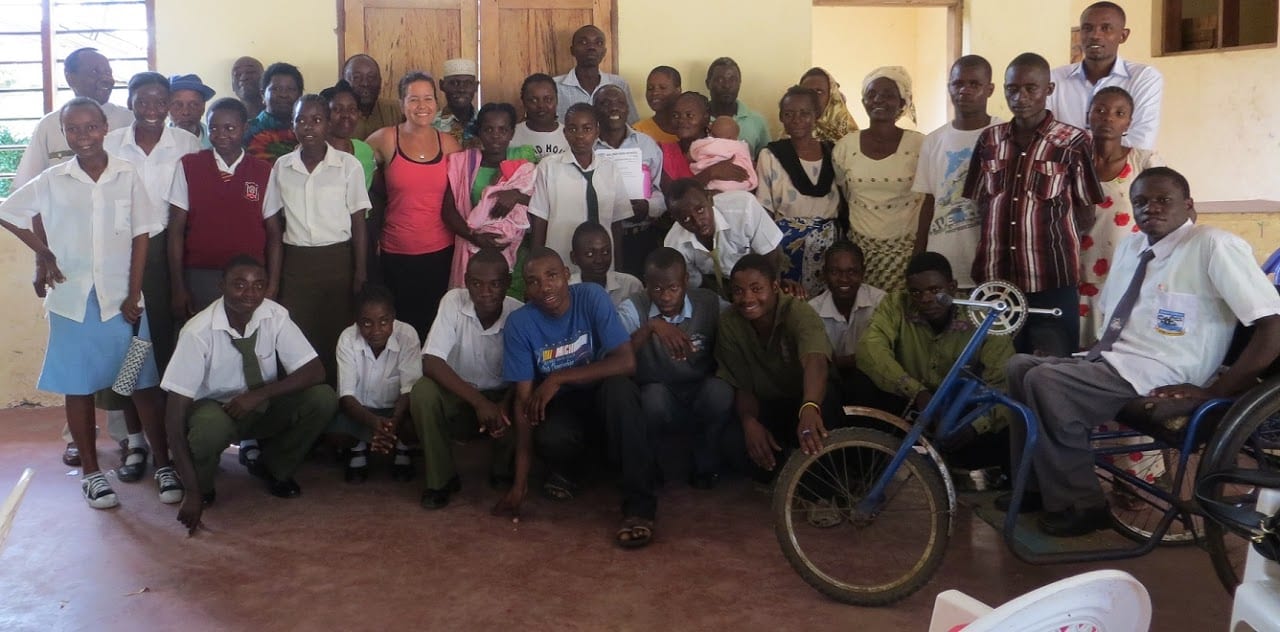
(1136, 522)
(1258, 409)
(932, 496)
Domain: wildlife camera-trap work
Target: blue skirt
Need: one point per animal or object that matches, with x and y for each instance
(83, 358)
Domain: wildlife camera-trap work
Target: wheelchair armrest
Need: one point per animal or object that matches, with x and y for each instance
(1167, 418)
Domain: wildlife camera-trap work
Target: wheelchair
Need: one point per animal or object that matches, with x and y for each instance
(886, 489)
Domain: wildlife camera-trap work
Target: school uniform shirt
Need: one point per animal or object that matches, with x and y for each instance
(90, 227)
(742, 227)
(844, 333)
(225, 216)
(619, 285)
(560, 197)
(205, 365)
(378, 381)
(570, 91)
(941, 172)
(471, 350)
(157, 168)
(543, 143)
(1073, 91)
(651, 158)
(48, 145)
(318, 205)
(538, 345)
(1201, 281)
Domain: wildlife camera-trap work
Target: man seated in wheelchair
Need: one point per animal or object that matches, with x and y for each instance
(1169, 309)
(909, 347)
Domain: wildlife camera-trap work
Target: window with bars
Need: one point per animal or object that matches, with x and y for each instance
(35, 38)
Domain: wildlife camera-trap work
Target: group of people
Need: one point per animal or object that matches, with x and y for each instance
(388, 277)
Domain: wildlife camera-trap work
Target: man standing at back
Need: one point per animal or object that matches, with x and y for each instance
(580, 84)
(365, 77)
(1102, 31)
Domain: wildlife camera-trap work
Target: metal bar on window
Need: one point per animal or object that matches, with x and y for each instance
(46, 52)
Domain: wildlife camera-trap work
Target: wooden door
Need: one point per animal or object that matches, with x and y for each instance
(521, 37)
(406, 35)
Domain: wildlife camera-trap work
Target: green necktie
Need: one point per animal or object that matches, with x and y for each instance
(721, 287)
(249, 357)
(593, 201)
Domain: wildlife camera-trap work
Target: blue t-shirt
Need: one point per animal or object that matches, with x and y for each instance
(536, 345)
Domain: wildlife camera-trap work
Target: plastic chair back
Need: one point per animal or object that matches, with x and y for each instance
(1099, 601)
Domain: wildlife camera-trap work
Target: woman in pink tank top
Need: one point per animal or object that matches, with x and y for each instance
(416, 244)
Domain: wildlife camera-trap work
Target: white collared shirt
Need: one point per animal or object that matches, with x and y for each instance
(742, 227)
(844, 333)
(570, 91)
(619, 285)
(157, 167)
(180, 192)
(318, 205)
(90, 228)
(205, 365)
(560, 198)
(48, 146)
(378, 381)
(629, 314)
(651, 156)
(473, 352)
(1072, 93)
(1201, 281)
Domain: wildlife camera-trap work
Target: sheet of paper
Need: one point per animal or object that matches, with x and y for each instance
(631, 165)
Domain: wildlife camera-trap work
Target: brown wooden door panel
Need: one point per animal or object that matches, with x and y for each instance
(534, 36)
(405, 35)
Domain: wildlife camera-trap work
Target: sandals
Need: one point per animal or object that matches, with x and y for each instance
(635, 532)
(559, 488)
(133, 465)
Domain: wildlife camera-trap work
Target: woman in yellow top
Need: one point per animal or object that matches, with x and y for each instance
(876, 168)
(661, 91)
(835, 121)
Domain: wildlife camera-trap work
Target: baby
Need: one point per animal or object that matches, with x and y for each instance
(723, 144)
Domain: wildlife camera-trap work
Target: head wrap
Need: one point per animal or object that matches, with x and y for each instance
(459, 67)
(899, 76)
(835, 121)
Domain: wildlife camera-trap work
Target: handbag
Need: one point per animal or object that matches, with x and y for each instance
(134, 357)
(1262, 529)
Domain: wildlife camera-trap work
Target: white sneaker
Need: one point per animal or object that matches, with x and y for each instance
(98, 492)
(171, 490)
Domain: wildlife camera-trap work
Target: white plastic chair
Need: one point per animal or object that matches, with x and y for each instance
(10, 506)
(1257, 603)
(1099, 601)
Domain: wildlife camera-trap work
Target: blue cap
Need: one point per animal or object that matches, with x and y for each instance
(190, 82)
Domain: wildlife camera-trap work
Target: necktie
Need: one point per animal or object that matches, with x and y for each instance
(1121, 315)
(593, 201)
(721, 287)
(249, 358)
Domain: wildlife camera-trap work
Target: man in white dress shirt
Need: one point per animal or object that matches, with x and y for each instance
(581, 84)
(1174, 296)
(223, 386)
(1102, 31)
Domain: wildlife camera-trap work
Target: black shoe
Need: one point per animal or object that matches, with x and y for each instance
(71, 455)
(357, 473)
(402, 472)
(251, 459)
(1031, 502)
(704, 481)
(1074, 523)
(133, 473)
(288, 488)
(438, 498)
(208, 498)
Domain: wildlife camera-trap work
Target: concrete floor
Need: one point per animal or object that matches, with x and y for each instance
(367, 557)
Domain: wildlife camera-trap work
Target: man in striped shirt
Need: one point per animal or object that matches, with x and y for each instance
(1035, 188)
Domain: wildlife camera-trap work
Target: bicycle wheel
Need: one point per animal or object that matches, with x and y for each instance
(1249, 438)
(1136, 513)
(861, 561)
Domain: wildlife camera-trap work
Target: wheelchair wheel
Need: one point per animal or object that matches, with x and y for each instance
(1248, 438)
(864, 561)
(1136, 513)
